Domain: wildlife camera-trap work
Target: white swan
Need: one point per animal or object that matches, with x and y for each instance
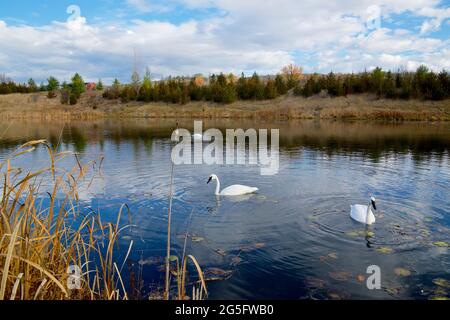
(234, 190)
(362, 213)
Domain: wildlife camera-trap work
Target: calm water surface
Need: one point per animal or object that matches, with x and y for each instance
(294, 239)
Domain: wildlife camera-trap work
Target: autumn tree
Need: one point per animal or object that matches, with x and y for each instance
(292, 74)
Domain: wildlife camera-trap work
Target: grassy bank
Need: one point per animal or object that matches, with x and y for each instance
(357, 107)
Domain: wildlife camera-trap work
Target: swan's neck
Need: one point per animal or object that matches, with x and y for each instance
(368, 211)
(217, 187)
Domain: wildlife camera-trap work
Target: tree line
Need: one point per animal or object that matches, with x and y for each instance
(69, 92)
(421, 84)
(227, 88)
(217, 88)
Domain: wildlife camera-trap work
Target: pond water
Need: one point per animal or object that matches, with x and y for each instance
(294, 239)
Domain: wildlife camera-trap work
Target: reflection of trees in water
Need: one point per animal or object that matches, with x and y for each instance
(370, 140)
(422, 148)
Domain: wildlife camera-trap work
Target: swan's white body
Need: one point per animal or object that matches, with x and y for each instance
(234, 190)
(362, 213)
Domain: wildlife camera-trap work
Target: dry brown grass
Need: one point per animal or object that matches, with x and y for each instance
(358, 107)
(41, 238)
(38, 243)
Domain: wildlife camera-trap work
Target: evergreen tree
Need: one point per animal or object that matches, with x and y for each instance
(444, 79)
(145, 91)
(99, 86)
(389, 89)
(255, 87)
(270, 91)
(53, 84)
(332, 85)
(281, 85)
(376, 81)
(42, 87)
(78, 85)
(243, 88)
(32, 86)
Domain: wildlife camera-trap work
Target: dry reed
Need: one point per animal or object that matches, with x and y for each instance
(44, 236)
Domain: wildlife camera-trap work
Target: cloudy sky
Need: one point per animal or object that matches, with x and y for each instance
(100, 38)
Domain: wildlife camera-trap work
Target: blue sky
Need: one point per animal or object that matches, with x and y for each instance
(183, 37)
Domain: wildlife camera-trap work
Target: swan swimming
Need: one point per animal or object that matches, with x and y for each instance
(362, 213)
(234, 190)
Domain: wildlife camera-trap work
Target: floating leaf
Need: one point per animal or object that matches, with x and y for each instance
(394, 291)
(441, 244)
(441, 282)
(156, 296)
(439, 298)
(197, 239)
(384, 250)
(236, 261)
(334, 295)
(312, 282)
(402, 272)
(333, 255)
(360, 233)
(370, 234)
(440, 291)
(220, 252)
(360, 278)
(218, 273)
(340, 275)
(252, 247)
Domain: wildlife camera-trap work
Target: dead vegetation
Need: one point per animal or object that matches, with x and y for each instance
(357, 107)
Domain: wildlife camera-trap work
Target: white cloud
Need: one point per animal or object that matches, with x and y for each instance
(436, 18)
(251, 35)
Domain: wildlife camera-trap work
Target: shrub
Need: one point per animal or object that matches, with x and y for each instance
(73, 99)
(65, 95)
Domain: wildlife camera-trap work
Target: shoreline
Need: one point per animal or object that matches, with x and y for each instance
(354, 107)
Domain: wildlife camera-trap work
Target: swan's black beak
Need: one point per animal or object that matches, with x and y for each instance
(373, 205)
(209, 180)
